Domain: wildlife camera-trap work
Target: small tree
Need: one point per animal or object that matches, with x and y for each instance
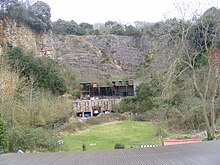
(40, 16)
(132, 31)
(87, 27)
(117, 29)
(119, 146)
(148, 91)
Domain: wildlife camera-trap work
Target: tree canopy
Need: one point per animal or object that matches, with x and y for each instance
(36, 15)
(40, 16)
(68, 27)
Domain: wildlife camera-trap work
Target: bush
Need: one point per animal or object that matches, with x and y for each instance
(75, 94)
(161, 131)
(41, 72)
(119, 146)
(32, 139)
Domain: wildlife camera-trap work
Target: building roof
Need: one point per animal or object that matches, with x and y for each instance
(203, 153)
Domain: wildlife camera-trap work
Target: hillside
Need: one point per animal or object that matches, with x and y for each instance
(94, 57)
(175, 61)
(98, 57)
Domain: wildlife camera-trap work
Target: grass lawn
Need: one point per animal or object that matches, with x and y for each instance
(105, 136)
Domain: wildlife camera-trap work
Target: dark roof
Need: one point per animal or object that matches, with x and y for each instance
(204, 153)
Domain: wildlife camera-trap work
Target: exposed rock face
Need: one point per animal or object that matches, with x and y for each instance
(94, 57)
(100, 55)
(17, 34)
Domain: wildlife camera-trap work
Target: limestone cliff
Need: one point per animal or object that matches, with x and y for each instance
(98, 57)
(94, 57)
(14, 34)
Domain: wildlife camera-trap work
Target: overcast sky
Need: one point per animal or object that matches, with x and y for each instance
(100, 11)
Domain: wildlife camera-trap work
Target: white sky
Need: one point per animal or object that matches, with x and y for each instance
(101, 11)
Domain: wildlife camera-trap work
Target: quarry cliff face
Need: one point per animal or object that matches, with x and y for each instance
(94, 57)
(14, 34)
(101, 56)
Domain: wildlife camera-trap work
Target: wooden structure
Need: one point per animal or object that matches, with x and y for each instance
(97, 99)
(93, 107)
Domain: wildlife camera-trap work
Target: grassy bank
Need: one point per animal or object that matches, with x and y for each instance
(105, 136)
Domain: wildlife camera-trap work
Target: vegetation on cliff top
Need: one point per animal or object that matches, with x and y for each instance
(36, 15)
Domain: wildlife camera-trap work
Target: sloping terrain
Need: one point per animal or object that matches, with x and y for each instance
(93, 57)
(98, 57)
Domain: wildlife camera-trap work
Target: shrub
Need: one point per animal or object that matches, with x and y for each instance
(161, 131)
(119, 146)
(32, 139)
(41, 72)
(75, 94)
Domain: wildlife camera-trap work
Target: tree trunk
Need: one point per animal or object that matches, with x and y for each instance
(213, 128)
(205, 115)
(213, 104)
(31, 86)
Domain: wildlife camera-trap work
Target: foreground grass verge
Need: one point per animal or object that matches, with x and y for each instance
(105, 136)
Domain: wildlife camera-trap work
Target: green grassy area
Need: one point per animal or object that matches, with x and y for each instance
(105, 136)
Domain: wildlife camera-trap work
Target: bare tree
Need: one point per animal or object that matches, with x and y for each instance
(197, 42)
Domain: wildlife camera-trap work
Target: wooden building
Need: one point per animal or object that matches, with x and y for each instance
(93, 107)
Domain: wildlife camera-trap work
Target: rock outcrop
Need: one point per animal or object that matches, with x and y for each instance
(102, 55)
(94, 57)
(14, 34)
